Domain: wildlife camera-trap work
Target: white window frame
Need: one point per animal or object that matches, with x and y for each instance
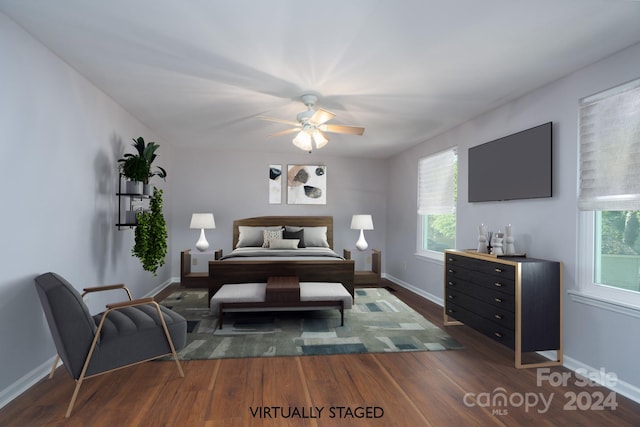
(420, 251)
(588, 291)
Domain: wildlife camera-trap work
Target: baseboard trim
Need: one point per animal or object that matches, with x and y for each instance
(161, 287)
(26, 382)
(620, 387)
(424, 294)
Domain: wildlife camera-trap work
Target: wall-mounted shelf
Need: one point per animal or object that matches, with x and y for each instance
(129, 199)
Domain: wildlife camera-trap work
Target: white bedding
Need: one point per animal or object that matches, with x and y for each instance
(260, 254)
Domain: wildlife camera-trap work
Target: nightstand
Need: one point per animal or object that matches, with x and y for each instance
(366, 277)
(189, 279)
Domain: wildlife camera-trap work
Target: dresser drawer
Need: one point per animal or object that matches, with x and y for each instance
(494, 331)
(455, 275)
(502, 316)
(491, 296)
(497, 269)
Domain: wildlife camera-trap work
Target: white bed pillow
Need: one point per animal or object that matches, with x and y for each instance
(251, 236)
(269, 235)
(315, 237)
(284, 243)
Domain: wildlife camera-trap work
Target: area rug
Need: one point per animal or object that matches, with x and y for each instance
(378, 322)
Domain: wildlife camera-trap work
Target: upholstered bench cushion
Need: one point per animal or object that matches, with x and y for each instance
(325, 291)
(239, 292)
(255, 292)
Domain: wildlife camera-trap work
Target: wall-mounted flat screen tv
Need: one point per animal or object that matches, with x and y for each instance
(518, 166)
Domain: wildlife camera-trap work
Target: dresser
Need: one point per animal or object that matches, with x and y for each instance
(516, 301)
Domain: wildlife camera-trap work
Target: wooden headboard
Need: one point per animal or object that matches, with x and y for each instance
(294, 221)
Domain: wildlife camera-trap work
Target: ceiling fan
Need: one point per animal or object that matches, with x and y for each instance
(311, 126)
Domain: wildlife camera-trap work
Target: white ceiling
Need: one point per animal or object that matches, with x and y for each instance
(198, 72)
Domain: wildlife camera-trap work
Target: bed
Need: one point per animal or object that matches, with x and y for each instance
(250, 262)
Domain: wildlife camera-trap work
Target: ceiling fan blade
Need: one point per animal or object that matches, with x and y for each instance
(271, 119)
(286, 131)
(321, 116)
(350, 130)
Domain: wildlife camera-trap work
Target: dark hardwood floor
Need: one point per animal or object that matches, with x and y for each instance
(448, 388)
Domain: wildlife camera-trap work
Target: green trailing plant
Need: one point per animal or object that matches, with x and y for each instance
(151, 235)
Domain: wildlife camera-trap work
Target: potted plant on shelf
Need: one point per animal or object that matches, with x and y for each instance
(151, 235)
(138, 167)
(135, 169)
(148, 152)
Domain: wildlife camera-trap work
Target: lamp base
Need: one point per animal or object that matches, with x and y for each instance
(362, 244)
(202, 244)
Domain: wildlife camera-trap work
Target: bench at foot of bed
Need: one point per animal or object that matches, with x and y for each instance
(253, 297)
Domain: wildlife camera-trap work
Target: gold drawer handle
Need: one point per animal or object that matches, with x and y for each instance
(497, 334)
(498, 316)
(451, 271)
(498, 299)
(451, 297)
(451, 310)
(451, 284)
(498, 270)
(498, 284)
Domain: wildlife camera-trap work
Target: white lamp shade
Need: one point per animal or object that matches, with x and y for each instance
(202, 220)
(361, 222)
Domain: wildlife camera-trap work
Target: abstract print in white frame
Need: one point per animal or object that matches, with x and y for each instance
(307, 185)
(275, 184)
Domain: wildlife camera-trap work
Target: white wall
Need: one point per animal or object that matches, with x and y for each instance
(544, 228)
(234, 185)
(60, 139)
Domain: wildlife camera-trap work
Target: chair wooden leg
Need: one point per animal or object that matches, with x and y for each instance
(75, 395)
(169, 340)
(175, 357)
(55, 365)
(86, 365)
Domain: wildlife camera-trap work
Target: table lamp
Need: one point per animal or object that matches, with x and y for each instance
(202, 221)
(361, 222)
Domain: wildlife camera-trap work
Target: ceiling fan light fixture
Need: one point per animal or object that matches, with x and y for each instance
(311, 126)
(303, 141)
(319, 139)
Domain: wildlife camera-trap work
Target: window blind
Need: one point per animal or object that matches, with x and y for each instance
(610, 149)
(436, 183)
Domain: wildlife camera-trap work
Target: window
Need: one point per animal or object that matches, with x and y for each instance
(617, 249)
(610, 194)
(437, 195)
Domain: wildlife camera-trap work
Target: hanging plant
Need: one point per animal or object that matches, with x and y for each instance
(151, 235)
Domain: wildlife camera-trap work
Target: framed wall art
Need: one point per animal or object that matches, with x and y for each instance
(306, 184)
(275, 184)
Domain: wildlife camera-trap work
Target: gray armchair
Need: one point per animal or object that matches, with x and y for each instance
(126, 333)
